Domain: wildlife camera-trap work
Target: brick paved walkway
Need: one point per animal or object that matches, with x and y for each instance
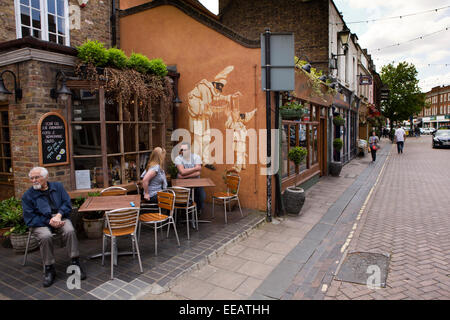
(247, 265)
(408, 217)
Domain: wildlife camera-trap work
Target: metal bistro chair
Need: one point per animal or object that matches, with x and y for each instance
(113, 191)
(232, 182)
(182, 202)
(54, 235)
(166, 200)
(121, 222)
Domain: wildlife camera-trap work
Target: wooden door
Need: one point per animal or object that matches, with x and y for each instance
(6, 169)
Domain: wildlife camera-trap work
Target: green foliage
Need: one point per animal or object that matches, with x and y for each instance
(93, 52)
(117, 58)
(338, 121)
(297, 155)
(172, 170)
(11, 216)
(76, 203)
(405, 98)
(314, 75)
(292, 105)
(337, 144)
(158, 67)
(94, 194)
(139, 62)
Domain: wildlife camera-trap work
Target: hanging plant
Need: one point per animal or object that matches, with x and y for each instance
(338, 121)
(337, 144)
(292, 110)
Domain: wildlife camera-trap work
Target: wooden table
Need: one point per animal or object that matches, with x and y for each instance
(194, 183)
(107, 203)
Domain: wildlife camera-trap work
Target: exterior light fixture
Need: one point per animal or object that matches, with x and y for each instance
(4, 91)
(307, 68)
(323, 78)
(344, 37)
(63, 92)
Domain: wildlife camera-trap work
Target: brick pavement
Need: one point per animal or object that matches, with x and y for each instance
(246, 265)
(408, 218)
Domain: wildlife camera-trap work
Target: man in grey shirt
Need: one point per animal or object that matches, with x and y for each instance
(189, 165)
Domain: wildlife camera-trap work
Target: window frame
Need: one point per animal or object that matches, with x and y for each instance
(44, 21)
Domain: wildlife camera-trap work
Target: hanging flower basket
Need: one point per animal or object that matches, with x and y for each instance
(291, 114)
(338, 121)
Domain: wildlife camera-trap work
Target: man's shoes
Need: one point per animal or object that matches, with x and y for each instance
(210, 167)
(76, 262)
(49, 275)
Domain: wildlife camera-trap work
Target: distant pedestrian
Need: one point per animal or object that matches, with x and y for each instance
(373, 145)
(400, 139)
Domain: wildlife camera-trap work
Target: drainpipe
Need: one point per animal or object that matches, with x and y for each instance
(268, 123)
(113, 23)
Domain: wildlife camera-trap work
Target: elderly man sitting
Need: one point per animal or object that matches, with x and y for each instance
(46, 210)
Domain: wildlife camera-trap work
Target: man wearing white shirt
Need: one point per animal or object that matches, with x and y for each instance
(189, 165)
(400, 138)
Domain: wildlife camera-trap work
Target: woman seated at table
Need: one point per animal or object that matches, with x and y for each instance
(154, 178)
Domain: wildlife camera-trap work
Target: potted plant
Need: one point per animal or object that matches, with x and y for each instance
(93, 52)
(294, 197)
(93, 221)
(336, 165)
(11, 212)
(172, 171)
(77, 217)
(292, 111)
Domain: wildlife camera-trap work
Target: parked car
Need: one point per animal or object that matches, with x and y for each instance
(441, 138)
(425, 130)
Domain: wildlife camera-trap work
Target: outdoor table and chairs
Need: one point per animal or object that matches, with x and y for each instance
(157, 220)
(194, 183)
(108, 203)
(232, 182)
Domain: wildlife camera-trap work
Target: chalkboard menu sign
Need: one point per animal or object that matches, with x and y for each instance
(53, 142)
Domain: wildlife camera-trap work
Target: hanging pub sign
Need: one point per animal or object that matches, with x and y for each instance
(53, 142)
(365, 80)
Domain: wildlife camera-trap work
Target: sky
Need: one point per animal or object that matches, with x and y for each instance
(430, 55)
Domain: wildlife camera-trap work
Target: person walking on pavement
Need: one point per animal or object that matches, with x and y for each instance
(400, 139)
(373, 145)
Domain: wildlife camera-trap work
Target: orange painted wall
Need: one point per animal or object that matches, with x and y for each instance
(125, 4)
(200, 53)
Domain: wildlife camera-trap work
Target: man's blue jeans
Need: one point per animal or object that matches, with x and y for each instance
(199, 197)
(400, 146)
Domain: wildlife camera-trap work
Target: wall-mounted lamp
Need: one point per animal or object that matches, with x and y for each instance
(323, 78)
(4, 91)
(343, 36)
(307, 68)
(63, 92)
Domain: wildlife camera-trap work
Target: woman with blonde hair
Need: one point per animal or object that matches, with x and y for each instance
(154, 178)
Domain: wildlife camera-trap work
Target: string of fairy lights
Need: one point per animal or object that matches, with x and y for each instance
(394, 17)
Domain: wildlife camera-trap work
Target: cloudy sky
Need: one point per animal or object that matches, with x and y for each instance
(430, 55)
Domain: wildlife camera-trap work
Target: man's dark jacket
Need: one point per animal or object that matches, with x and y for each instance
(36, 209)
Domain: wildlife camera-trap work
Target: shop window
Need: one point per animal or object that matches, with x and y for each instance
(129, 132)
(5, 148)
(43, 19)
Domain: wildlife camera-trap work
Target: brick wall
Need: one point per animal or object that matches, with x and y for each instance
(308, 20)
(36, 80)
(94, 22)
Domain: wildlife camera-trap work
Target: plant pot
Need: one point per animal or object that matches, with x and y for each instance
(93, 227)
(293, 199)
(291, 114)
(19, 242)
(335, 168)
